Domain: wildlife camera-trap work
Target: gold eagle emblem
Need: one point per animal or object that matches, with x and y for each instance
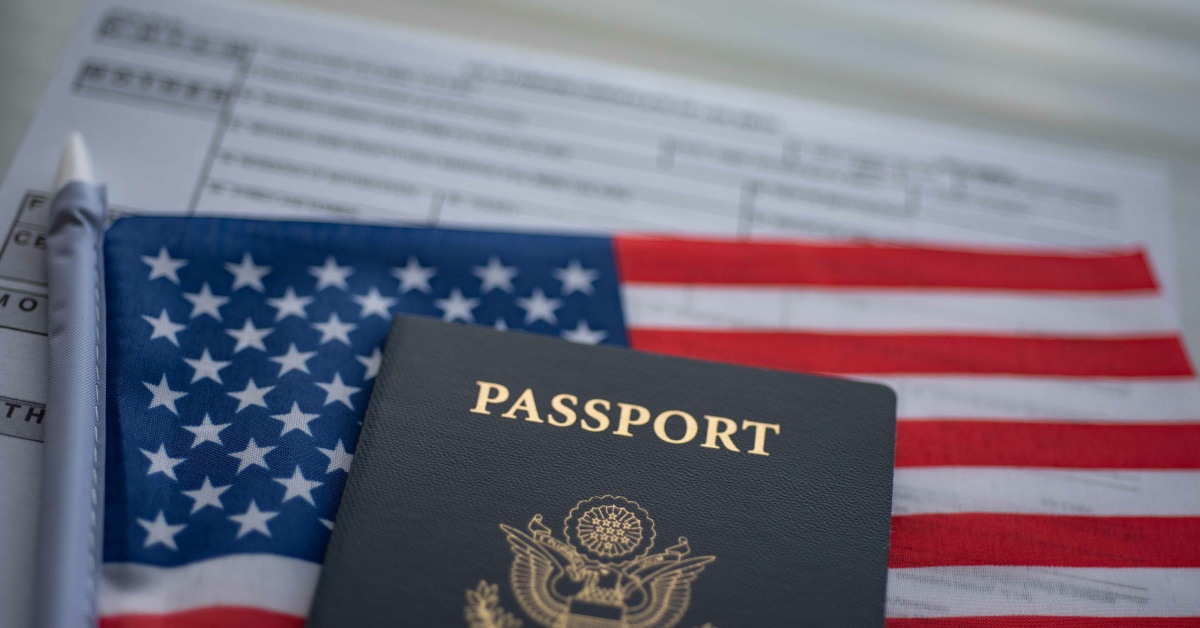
(601, 576)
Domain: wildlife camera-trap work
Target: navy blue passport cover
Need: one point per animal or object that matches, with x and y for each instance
(503, 477)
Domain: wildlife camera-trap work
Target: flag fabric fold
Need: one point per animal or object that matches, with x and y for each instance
(1046, 465)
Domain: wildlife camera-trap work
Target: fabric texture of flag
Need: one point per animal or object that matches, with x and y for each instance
(1048, 452)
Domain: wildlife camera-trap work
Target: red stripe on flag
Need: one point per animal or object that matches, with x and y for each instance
(722, 262)
(214, 617)
(1063, 445)
(1042, 621)
(1157, 356)
(1044, 541)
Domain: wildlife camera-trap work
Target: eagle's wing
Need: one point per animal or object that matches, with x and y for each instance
(534, 568)
(668, 592)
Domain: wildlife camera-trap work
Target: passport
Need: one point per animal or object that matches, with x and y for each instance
(504, 479)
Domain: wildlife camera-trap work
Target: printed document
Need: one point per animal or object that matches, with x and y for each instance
(202, 109)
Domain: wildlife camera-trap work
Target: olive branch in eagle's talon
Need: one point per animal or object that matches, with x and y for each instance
(484, 611)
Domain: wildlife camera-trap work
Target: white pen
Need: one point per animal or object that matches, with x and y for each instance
(69, 545)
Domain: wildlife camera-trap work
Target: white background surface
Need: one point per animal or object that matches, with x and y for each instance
(1092, 74)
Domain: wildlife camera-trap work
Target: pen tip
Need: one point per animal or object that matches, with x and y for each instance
(76, 164)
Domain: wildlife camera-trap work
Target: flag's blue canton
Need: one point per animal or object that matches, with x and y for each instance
(241, 355)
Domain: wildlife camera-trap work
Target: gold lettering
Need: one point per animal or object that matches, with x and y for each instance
(627, 419)
(567, 411)
(589, 409)
(722, 428)
(485, 396)
(760, 435)
(719, 431)
(526, 404)
(660, 426)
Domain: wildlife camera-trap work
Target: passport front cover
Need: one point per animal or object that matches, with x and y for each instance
(504, 479)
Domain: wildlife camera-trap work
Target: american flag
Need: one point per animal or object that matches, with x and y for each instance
(1048, 441)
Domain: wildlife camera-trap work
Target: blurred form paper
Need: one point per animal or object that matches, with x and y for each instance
(194, 108)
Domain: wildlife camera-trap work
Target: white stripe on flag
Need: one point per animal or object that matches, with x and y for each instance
(937, 311)
(1038, 398)
(1046, 491)
(263, 581)
(1042, 591)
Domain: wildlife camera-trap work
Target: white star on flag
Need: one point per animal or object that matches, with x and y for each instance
(335, 329)
(164, 327)
(205, 302)
(160, 532)
(163, 265)
(372, 362)
(457, 307)
(330, 275)
(576, 278)
(207, 495)
(374, 304)
(336, 391)
(293, 360)
(539, 307)
(253, 520)
(414, 276)
(206, 368)
(339, 458)
(584, 334)
(160, 462)
(495, 276)
(249, 336)
(294, 419)
(251, 395)
(252, 455)
(246, 274)
(290, 305)
(163, 395)
(206, 432)
(298, 486)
